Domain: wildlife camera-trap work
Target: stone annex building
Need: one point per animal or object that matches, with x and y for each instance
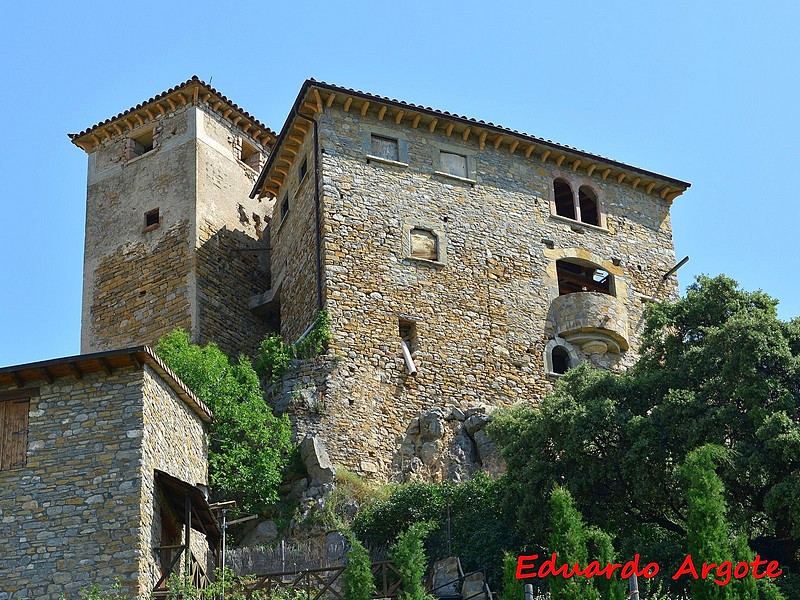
(464, 266)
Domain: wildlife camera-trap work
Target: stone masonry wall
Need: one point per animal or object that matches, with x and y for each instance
(70, 517)
(480, 312)
(174, 441)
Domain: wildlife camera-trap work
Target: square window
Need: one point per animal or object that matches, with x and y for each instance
(284, 207)
(453, 164)
(424, 244)
(152, 219)
(139, 144)
(250, 155)
(385, 147)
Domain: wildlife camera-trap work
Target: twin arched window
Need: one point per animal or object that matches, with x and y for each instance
(584, 207)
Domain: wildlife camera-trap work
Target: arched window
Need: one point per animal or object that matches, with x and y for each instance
(559, 360)
(565, 202)
(588, 204)
(583, 277)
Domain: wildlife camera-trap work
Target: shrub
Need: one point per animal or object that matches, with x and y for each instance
(408, 556)
(358, 581)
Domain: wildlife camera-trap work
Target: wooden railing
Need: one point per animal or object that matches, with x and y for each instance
(324, 583)
(170, 557)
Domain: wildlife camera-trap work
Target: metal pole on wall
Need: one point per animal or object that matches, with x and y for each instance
(633, 587)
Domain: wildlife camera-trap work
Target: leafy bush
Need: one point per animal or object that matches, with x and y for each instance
(248, 445)
(358, 581)
(274, 356)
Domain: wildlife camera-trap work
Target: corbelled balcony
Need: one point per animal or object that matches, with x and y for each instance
(592, 321)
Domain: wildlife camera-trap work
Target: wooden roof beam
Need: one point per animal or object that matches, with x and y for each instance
(317, 99)
(432, 125)
(364, 108)
(449, 130)
(605, 174)
(399, 116)
(545, 155)
(497, 141)
(482, 139)
(529, 150)
(347, 103)
(415, 122)
(17, 379)
(465, 134)
(46, 374)
(513, 147)
(382, 113)
(575, 165)
(331, 98)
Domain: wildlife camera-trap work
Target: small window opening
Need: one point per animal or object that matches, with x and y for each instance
(152, 219)
(559, 358)
(384, 147)
(301, 174)
(424, 244)
(565, 203)
(408, 344)
(140, 144)
(588, 203)
(284, 207)
(573, 277)
(250, 155)
(454, 164)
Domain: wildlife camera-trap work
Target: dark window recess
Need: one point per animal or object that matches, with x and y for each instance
(565, 204)
(424, 244)
(152, 219)
(588, 202)
(284, 207)
(454, 164)
(250, 155)
(139, 145)
(384, 147)
(301, 174)
(559, 359)
(408, 332)
(14, 432)
(574, 277)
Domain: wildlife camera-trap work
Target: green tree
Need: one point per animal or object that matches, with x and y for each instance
(717, 367)
(248, 445)
(408, 555)
(513, 588)
(358, 581)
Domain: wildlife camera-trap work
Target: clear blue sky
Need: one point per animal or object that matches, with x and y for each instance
(704, 92)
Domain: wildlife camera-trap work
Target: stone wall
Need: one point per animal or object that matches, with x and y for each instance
(197, 266)
(480, 311)
(71, 516)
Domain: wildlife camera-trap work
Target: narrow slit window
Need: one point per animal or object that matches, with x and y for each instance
(565, 203)
(152, 219)
(301, 173)
(588, 203)
(284, 207)
(408, 344)
(453, 164)
(385, 147)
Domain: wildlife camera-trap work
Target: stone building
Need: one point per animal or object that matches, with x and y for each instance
(463, 265)
(100, 459)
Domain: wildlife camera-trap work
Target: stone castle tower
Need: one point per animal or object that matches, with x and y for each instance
(172, 238)
(464, 266)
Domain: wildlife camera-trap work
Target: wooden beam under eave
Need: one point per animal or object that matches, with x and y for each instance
(482, 139)
(364, 108)
(128, 123)
(227, 113)
(278, 182)
(296, 140)
(96, 140)
(182, 98)
(301, 127)
(560, 160)
(216, 105)
(317, 98)
(331, 98)
(85, 146)
(235, 122)
(310, 106)
(206, 98)
(149, 114)
(545, 155)
(635, 182)
(449, 130)
(17, 379)
(106, 367)
(48, 376)
(664, 192)
(650, 187)
(415, 122)
(172, 105)
(282, 170)
(672, 195)
(247, 127)
(271, 190)
(382, 113)
(606, 173)
(291, 149)
(105, 134)
(161, 109)
(512, 148)
(497, 141)
(195, 94)
(432, 125)
(75, 370)
(117, 129)
(620, 177)
(347, 103)
(591, 169)
(399, 116)
(139, 118)
(575, 165)
(465, 134)
(529, 150)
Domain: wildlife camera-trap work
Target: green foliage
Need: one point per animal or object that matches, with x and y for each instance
(96, 592)
(248, 445)
(274, 356)
(481, 526)
(358, 581)
(513, 588)
(408, 555)
(716, 367)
